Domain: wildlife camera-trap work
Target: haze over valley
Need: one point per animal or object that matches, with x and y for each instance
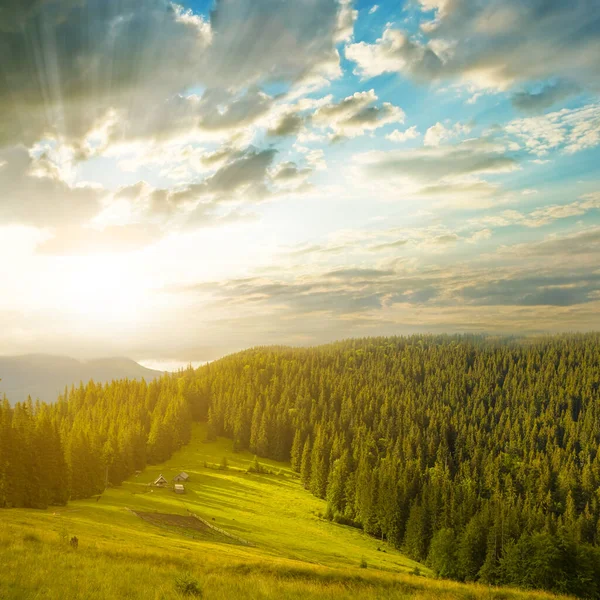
(44, 377)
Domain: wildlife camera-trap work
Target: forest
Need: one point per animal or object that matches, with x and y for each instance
(478, 456)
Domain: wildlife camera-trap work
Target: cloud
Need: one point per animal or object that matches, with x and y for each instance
(463, 175)
(345, 23)
(493, 45)
(366, 298)
(360, 274)
(402, 136)
(127, 48)
(315, 158)
(245, 177)
(356, 115)
(289, 124)
(549, 94)
(243, 174)
(131, 69)
(374, 9)
(543, 215)
(573, 249)
(445, 164)
(34, 193)
(569, 130)
(394, 52)
(438, 133)
(258, 40)
(289, 172)
(477, 236)
(390, 245)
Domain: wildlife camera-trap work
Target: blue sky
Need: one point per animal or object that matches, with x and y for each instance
(182, 181)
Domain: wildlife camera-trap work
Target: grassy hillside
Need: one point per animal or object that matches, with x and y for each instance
(138, 542)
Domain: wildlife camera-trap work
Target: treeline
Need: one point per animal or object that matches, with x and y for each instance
(94, 435)
(479, 457)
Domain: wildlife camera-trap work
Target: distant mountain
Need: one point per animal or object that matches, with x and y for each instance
(45, 377)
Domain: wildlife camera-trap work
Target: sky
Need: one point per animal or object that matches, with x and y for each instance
(180, 181)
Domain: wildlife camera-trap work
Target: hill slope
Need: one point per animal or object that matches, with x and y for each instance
(45, 376)
(136, 541)
(480, 457)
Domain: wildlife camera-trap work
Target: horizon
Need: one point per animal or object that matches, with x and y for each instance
(172, 366)
(181, 181)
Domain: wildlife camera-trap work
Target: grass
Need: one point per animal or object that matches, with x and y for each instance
(294, 552)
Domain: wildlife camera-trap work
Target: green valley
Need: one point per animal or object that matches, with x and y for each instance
(381, 467)
(294, 552)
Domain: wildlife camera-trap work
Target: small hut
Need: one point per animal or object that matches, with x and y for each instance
(160, 481)
(179, 489)
(183, 476)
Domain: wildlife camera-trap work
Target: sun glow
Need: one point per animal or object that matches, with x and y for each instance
(103, 291)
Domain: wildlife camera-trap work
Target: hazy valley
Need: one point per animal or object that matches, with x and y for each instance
(44, 377)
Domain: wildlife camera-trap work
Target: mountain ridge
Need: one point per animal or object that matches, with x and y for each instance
(44, 376)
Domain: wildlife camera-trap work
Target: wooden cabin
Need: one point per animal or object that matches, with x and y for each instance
(160, 481)
(183, 476)
(179, 489)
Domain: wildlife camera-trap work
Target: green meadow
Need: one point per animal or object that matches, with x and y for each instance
(139, 541)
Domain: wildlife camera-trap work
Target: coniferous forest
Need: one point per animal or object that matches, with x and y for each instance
(478, 456)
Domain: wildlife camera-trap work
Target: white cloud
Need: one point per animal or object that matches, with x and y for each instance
(356, 115)
(482, 234)
(543, 215)
(374, 9)
(570, 130)
(346, 18)
(394, 52)
(438, 133)
(403, 136)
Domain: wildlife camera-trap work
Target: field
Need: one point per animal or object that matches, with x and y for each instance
(261, 536)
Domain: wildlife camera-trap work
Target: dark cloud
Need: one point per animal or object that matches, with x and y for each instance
(472, 157)
(258, 40)
(535, 102)
(290, 172)
(289, 124)
(495, 44)
(215, 111)
(61, 75)
(248, 171)
(552, 290)
(356, 115)
(367, 293)
(65, 65)
(563, 249)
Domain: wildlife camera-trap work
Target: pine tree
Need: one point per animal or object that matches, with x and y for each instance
(296, 453)
(442, 554)
(305, 467)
